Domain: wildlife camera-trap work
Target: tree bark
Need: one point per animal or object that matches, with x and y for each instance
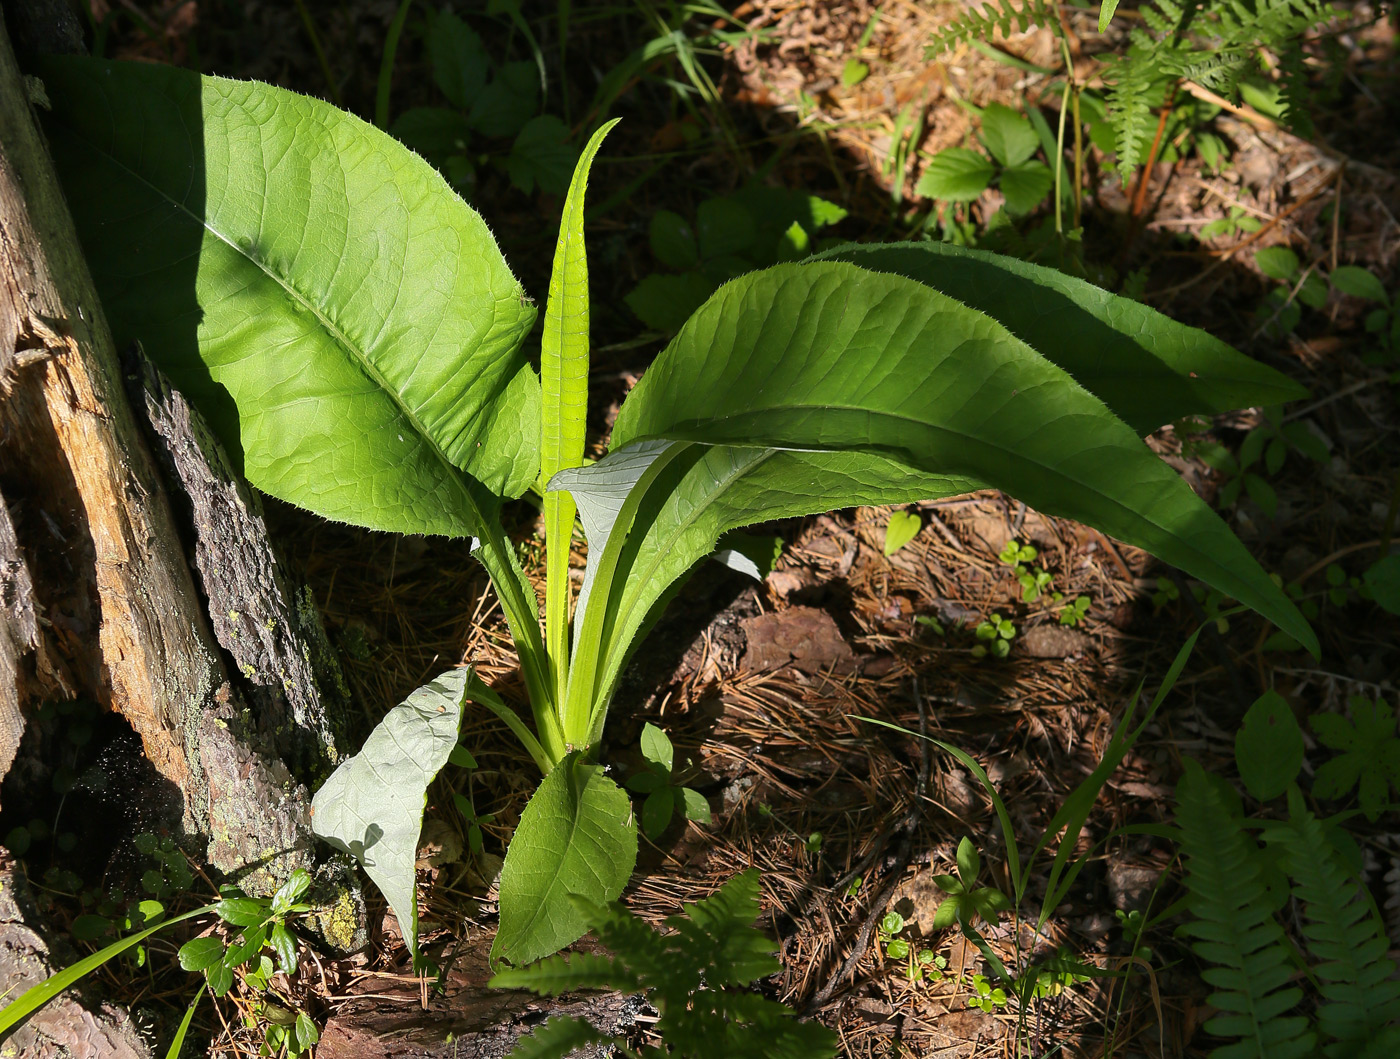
(98, 600)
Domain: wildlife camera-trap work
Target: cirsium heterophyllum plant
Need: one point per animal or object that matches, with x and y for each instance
(354, 336)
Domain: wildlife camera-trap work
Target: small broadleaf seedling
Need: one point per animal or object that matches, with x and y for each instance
(663, 797)
(351, 332)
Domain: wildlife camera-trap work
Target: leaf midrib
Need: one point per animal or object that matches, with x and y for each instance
(353, 354)
(763, 412)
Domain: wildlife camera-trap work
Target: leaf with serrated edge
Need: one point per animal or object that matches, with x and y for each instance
(345, 322)
(576, 836)
(372, 805)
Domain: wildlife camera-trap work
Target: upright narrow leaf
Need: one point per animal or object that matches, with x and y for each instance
(576, 836)
(372, 805)
(342, 318)
(564, 381)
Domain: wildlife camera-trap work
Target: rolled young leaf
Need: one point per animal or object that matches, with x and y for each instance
(827, 357)
(345, 322)
(372, 805)
(564, 381)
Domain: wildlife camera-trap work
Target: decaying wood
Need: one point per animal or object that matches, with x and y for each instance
(93, 523)
(384, 1018)
(67, 1025)
(272, 631)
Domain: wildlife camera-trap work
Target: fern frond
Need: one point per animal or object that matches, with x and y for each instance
(1344, 936)
(995, 15)
(1293, 79)
(1235, 928)
(1129, 112)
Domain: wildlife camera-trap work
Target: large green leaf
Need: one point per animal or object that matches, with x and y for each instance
(1146, 367)
(576, 836)
(830, 358)
(346, 322)
(372, 805)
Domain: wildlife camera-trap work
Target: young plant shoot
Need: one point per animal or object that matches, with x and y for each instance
(352, 333)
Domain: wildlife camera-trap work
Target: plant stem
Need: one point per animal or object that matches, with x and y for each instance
(386, 65)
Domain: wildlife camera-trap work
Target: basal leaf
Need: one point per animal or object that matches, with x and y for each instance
(1146, 367)
(576, 836)
(372, 805)
(826, 357)
(345, 322)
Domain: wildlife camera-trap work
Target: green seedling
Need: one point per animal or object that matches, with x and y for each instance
(388, 384)
(476, 841)
(1383, 321)
(663, 796)
(929, 622)
(960, 174)
(258, 924)
(1133, 923)
(853, 889)
(1263, 453)
(1054, 975)
(927, 966)
(1282, 309)
(812, 843)
(886, 936)
(995, 634)
(1073, 612)
(985, 996)
(966, 901)
(1368, 754)
(1236, 222)
(491, 102)
(1034, 581)
(1165, 592)
(902, 528)
(1015, 554)
(731, 235)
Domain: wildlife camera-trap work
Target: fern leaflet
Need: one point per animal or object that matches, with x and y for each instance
(1345, 937)
(1235, 928)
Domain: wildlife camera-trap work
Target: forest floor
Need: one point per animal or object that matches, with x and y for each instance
(764, 688)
